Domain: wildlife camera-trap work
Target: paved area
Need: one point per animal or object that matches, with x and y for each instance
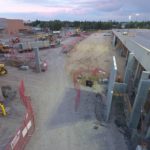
(58, 126)
(142, 37)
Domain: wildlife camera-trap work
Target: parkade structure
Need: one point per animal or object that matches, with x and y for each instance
(134, 46)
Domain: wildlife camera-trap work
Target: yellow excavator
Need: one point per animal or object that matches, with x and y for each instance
(2, 110)
(3, 70)
(4, 48)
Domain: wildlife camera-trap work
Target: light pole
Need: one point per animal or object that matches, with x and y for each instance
(136, 15)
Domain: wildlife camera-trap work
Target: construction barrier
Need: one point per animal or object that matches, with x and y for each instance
(69, 47)
(26, 130)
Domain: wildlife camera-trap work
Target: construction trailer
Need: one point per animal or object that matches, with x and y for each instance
(31, 45)
(137, 79)
(26, 46)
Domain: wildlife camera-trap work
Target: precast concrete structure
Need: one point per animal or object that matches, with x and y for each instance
(136, 77)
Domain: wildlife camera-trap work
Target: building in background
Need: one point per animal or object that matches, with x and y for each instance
(12, 26)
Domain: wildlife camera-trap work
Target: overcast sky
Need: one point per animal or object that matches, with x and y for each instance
(122, 10)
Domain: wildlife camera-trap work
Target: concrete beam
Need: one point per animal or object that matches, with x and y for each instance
(111, 84)
(140, 99)
(114, 40)
(145, 75)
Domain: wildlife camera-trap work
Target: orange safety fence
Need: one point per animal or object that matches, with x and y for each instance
(70, 46)
(26, 130)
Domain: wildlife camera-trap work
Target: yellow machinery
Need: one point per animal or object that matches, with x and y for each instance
(43, 37)
(4, 48)
(3, 110)
(3, 71)
(78, 31)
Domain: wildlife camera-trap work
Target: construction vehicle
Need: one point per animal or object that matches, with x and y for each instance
(41, 37)
(2, 109)
(3, 70)
(78, 31)
(4, 48)
(44, 37)
(15, 40)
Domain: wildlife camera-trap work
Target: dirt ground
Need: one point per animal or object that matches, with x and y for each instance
(58, 125)
(95, 52)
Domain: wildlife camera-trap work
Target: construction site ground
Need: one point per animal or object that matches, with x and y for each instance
(10, 123)
(58, 125)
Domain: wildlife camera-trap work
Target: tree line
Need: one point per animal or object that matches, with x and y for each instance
(89, 25)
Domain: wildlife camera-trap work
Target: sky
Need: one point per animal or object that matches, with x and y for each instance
(89, 10)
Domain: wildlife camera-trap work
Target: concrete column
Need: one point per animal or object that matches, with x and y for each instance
(129, 68)
(37, 60)
(114, 41)
(121, 51)
(127, 56)
(111, 84)
(140, 99)
(148, 133)
(136, 72)
(147, 119)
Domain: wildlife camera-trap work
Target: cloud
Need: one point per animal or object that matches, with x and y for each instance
(139, 5)
(81, 9)
(109, 6)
